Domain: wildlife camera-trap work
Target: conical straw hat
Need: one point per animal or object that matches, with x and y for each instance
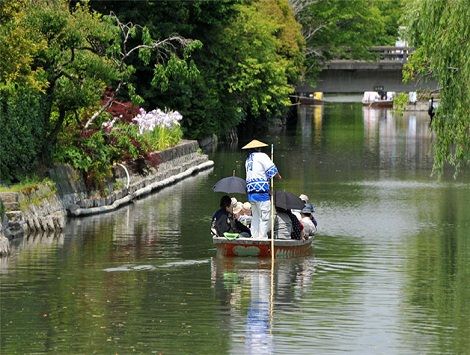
(254, 144)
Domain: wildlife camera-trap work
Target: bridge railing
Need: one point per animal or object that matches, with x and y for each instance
(391, 53)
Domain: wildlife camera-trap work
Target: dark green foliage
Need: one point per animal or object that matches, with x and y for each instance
(21, 133)
(249, 60)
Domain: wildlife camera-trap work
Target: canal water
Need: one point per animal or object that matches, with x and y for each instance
(389, 272)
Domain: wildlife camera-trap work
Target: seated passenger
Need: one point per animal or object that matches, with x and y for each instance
(245, 214)
(286, 225)
(297, 227)
(282, 224)
(296, 213)
(309, 226)
(237, 210)
(223, 220)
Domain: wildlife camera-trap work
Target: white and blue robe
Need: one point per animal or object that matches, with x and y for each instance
(259, 170)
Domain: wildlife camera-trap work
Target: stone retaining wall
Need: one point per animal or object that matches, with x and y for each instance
(34, 209)
(44, 208)
(4, 242)
(176, 163)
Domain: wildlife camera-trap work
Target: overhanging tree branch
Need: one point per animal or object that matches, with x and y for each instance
(163, 48)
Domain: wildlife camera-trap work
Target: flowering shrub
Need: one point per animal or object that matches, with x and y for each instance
(160, 129)
(120, 139)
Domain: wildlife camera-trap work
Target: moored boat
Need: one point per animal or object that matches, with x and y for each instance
(379, 104)
(315, 98)
(283, 248)
(378, 100)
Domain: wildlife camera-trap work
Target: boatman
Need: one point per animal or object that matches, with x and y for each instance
(259, 170)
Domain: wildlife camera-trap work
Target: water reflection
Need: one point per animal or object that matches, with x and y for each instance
(255, 293)
(401, 141)
(310, 120)
(31, 248)
(149, 227)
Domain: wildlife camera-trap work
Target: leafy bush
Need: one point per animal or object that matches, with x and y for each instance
(21, 133)
(94, 151)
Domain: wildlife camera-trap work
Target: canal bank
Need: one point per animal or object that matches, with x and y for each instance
(44, 207)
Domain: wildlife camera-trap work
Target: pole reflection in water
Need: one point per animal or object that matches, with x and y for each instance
(254, 298)
(258, 338)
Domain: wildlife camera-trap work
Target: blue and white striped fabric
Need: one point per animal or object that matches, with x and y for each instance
(259, 170)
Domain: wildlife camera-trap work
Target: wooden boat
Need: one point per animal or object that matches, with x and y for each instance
(379, 104)
(283, 248)
(374, 99)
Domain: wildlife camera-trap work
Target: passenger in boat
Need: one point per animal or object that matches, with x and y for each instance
(286, 225)
(234, 201)
(259, 170)
(237, 210)
(382, 94)
(309, 227)
(297, 227)
(245, 214)
(223, 220)
(298, 214)
(282, 224)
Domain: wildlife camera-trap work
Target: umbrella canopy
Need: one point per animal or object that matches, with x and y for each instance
(287, 200)
(231, 185)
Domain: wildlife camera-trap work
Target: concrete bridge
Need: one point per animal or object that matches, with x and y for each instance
(357, 76)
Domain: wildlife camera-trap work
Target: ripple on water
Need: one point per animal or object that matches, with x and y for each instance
(172, 264)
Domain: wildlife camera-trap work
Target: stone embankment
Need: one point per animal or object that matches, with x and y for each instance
(32, 210)
(44, 208)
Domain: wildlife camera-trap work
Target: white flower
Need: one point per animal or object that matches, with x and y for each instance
(148, 121)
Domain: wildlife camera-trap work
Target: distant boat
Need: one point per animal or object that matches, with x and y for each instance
(315, 98)
(373, 99)
(283, 248)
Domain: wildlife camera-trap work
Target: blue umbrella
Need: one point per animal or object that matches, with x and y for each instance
(230, 185)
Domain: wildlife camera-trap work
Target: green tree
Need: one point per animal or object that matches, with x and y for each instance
(200, 99)
(243, 74)
(68, 55)
(22, 129)
(338, 29)
(263, 54)
(440, 32)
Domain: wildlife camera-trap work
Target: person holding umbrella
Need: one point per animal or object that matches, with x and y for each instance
(259, 170)
(223, 220)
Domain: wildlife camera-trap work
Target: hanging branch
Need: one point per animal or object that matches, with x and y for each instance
(299, 5)
(163, 49)
(103, 108)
